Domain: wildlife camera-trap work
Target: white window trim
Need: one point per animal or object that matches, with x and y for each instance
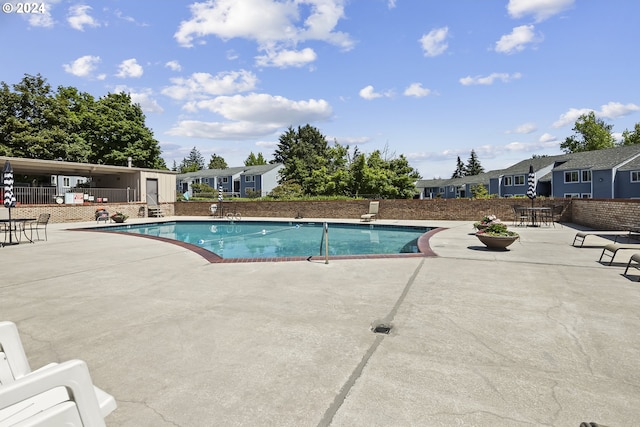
(225, 179)
(570, 172)
(585, 195)
(524, 181)
(582, 175)
(510, 179)
(249, 178)
(570, 195)
(635, 181)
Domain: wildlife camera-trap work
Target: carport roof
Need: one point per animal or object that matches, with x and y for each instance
(24, 166)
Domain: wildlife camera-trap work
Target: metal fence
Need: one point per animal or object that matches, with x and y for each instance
(49, 195)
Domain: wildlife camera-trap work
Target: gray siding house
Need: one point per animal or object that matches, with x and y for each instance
(608, 173)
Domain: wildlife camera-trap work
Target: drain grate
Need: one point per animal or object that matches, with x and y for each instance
(382, 329)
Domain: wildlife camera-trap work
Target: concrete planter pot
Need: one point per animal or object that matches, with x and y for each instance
(496, 242)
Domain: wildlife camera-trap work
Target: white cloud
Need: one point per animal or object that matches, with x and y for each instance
(416, 89)
(173, 65)
(252, 116)
(517, 40)
(524, 128)
(391, 4)
(83, 66)
(547, 137)
(129, 68)
(540, 9)
(434, 43)
(144, 97)
(613, 110)
(286, 58)
(488, 80)
(610, 110)
(369, 93)
(268, 22)
(201, 85)
(79, 17)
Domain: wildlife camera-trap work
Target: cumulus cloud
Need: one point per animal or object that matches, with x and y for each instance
(488, 80)
(539, 9)
(286, 58)
(274, 25)
(416, 89)
(251, 116)
(610, 110)
(79, 17)
(202, 85)
(369, 93)
(517, 40)
(434, 43)
(173, 65)
(144, 97)
(83, 66)
(524, 128)
(547, 137)
(129, 68)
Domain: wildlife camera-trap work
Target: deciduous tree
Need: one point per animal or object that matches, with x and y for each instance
(590, 133)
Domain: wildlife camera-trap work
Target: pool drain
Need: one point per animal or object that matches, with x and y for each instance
(382, 329)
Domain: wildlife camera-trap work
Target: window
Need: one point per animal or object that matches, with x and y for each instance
(225, 179)
(586, 176)
(508, 180)
(635, 176)
(249, 178)
(586, 195)
(65, 182)
(570, 195)
(571, 176)
(519, 180)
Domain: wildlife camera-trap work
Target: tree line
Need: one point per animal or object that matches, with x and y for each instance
(38, 122)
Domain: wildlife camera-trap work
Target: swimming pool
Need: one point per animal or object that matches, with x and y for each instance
(267, 240)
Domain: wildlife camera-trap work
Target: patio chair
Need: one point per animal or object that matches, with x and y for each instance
(373, 212)
(56, 395)
(39, 224)
(520, 215)
(634, 258)
(14, 367)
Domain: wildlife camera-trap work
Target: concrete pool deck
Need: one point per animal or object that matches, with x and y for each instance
(541, 334)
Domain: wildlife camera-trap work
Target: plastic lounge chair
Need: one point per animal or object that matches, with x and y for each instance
(614, 248)
(39, 224)
(582, 235)
(14, 366)
(56, 395)
(373, 212)
(636, 258)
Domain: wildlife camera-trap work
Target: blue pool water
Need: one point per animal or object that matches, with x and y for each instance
(268, 239)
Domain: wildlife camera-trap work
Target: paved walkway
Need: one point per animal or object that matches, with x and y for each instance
(541, 335)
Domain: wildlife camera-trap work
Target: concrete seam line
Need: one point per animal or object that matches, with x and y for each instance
(346, 388)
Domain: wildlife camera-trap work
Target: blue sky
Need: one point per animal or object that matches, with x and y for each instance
(429, 79)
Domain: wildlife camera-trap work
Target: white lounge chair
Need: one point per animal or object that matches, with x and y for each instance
(373, 212)
(14, 367)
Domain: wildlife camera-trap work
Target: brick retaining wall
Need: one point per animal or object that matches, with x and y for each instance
(435, 209)
(604, 214)
(77, 213)
(607, 214)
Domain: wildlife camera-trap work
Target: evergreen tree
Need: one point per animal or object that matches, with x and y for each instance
(253, 160)
(193, 163)
(217, 162)
(473, 166)
(460, 169)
